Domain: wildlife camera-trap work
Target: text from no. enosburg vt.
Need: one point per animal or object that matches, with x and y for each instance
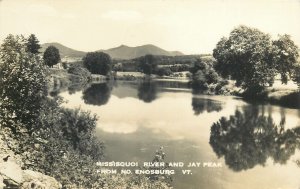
(150, 168)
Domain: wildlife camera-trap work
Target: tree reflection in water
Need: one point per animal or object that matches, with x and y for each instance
(249, 138)
(202, 104)
(147, 91)
(97, 94)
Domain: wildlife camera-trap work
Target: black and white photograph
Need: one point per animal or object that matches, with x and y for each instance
(149, 94)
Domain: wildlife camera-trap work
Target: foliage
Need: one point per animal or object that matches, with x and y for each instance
(296, 75)
(248, 138)
(97, 62)
(203, 75)
(82, 72)
(51, 56)
(33, 45)
(285, 54)
(50, 139)
(160, 157)
(22, 84)
(64, 146)
(180, 68)
(118, 67)
(56, 141)
(164, 71)
(147, 64)
(252, 59)
(175, 63)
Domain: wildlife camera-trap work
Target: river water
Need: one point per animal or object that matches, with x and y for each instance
(256, 145)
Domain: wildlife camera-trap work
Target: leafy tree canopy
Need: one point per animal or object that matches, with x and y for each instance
(250, 57)
(97, 62)
(51, 56)
(203, 75)
(147, 64)
(285, 55)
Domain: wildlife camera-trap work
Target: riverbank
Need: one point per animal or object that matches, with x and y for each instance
(11, 173)
(279, 94)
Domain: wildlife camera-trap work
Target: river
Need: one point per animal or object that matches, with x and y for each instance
(257, 145)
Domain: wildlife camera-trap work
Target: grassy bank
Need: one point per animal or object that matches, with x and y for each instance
(60, 80)
(279, 94)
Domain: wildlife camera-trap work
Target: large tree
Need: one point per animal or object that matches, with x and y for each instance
(97, 62)
(51, 56)
(250, 57)
(246, 56)
(147, 64)
(32, 44)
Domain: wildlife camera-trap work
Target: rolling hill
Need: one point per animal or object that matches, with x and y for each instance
(121, 52)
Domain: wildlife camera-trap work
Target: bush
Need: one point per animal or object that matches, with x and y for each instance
(203, 75)
(164, 71)
(80, 71)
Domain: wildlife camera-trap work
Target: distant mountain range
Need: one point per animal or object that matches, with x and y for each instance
(121, 52)
(63, 50)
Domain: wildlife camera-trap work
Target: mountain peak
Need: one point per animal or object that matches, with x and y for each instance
(126, 52)
(63, 50)
(120, 52)
(121, 46)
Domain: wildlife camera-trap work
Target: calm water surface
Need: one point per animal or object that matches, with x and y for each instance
(257, 145)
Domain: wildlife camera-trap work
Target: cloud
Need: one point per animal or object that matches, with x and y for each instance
(123, 15)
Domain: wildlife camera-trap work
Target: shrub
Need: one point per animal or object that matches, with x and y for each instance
(80, 71)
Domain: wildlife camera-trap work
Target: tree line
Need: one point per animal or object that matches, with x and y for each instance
(248, 56)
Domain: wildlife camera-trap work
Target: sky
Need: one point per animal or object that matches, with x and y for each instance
(189, 26)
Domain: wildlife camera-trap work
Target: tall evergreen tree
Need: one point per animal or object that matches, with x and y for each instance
(33, 45)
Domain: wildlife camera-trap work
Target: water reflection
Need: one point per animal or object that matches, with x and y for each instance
(147, 91)
(203, 104)
(248, 138)
(137, 135)
(97, 94)
(76, 87)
